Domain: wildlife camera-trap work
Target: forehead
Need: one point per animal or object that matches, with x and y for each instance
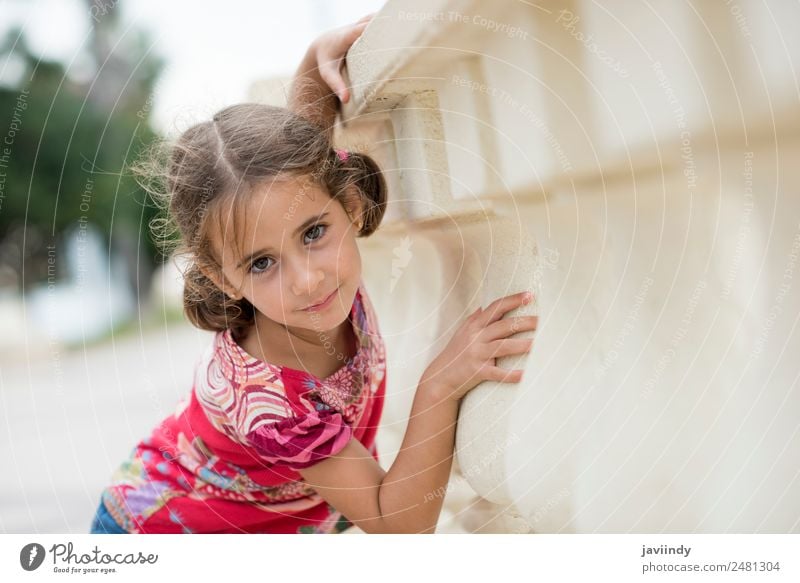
(267, 216)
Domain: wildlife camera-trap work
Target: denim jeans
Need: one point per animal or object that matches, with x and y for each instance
(104, 523)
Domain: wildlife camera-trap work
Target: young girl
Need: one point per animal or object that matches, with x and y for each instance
(278, 432)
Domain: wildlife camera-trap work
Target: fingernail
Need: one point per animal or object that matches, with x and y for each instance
(527, 297)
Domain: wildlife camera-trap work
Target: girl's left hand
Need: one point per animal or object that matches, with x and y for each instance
(330, 49)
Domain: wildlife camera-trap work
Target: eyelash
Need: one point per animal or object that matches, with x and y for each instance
(324, 227)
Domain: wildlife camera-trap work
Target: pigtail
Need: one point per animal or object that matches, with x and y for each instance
(209, 308)
(361, 171)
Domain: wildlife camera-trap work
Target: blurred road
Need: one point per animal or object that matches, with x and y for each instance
(71, 417)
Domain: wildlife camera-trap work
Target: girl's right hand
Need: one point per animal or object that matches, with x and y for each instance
(469, 357)
(330, 50)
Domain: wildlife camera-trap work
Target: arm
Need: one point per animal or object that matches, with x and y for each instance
(317, 85)
(310, 96)
(403, 499)
(399, 500)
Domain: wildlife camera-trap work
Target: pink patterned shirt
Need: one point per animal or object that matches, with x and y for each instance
(226, 461)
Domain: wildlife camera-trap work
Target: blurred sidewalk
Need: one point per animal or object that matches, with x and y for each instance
(71, 418)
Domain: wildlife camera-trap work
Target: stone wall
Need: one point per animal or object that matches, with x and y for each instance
(636, 165)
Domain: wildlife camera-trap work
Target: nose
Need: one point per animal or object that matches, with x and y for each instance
(305, 280)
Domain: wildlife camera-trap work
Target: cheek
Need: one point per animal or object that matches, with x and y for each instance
(340, 254)
(268, 298)
(349, 258)
(356, 254)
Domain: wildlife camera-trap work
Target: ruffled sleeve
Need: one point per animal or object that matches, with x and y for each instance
(302, 440)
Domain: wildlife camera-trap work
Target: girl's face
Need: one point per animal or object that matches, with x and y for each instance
(298, 247)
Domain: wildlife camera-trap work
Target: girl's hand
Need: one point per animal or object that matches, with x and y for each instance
(330, 49)
(469, 357)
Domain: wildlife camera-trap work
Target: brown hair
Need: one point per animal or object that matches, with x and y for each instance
(223, 160)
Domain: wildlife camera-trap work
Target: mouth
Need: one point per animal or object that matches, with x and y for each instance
(322, 304)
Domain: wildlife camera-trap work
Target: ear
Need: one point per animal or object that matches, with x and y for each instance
(355, 208)
(219, 280)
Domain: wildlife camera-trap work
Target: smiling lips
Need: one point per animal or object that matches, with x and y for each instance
(321, 304)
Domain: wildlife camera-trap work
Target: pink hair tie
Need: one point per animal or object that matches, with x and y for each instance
(343, 155)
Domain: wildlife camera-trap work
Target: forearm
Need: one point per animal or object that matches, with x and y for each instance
(310, 96)
(410, 495)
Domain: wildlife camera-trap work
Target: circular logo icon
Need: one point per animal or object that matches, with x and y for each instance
(31, 556)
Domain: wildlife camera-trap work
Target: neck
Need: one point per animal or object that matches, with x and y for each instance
(282, 340)
(312, 338)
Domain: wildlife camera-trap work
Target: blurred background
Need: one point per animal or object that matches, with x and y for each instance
(634, 163)
(94, 349)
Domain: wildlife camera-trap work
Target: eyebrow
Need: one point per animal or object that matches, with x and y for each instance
(307, 223)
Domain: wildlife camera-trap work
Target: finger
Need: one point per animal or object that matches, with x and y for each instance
(366, 18)
(502, 375)
(475, 314)
(351, 35)
(508, 346)
(501, 306)
(330, 74)
(508, 326)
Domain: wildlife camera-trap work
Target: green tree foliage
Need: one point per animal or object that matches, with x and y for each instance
(67, 146)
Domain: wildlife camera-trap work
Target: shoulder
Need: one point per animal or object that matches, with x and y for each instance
(366, 321)
(242, 393)
(371, 337)
(300, 441)
(365, 301)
